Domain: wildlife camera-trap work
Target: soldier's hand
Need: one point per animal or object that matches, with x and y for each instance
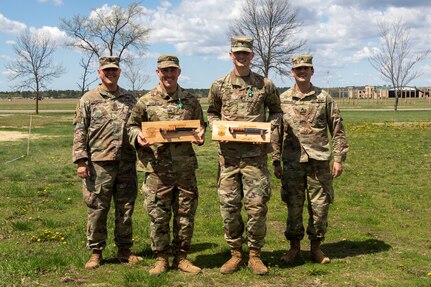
(337, 169)
(278, 170)
(142, 141)
(201, 137)
(82, 170)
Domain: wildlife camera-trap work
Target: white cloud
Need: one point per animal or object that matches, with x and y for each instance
(55, 2)
(342, 33)
(55, 34)
(7, 73)
(10, 26)
(6, 57)
(361, 55)
(194, 27)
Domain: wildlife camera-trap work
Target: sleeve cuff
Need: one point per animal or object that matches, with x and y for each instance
(339, 158)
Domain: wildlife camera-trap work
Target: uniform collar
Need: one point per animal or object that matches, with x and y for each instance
(298, 94)
(242, 81)
(174, 97)
(109, 94)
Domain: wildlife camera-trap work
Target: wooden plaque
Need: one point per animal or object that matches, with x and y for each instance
(241, 131)
(170, 131)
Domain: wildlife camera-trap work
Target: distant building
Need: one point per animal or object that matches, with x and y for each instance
(378, 92)
(407, 92)
(368, 92)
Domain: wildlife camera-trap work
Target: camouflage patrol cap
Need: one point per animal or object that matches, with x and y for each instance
(109, 62)
(241, 43)
(166, 61)
(302, 61)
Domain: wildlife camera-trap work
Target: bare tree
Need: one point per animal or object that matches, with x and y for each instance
(85, 63)
(274, 26)
(34, 65)
(108, 32)
(134, 73)
(395, 60)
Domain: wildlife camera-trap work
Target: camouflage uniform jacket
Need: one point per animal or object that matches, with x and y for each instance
(233, 98)
(157, 105)
(303, 132)
(100, 126)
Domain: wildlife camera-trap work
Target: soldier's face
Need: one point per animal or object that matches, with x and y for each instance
(109, 76)
(241, 58)
(302, 74)
(169, 77)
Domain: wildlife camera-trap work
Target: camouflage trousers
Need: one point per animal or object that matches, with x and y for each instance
(248, 179)
(109, 180)
(311, 180)
(166, 194)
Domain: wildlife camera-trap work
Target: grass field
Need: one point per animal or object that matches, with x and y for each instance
(344, 103)
(28, 104)
(379, 228)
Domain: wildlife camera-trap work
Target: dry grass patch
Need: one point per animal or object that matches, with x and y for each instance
(11, 136)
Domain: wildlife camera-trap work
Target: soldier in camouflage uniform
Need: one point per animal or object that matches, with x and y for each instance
(106, 162)
(243, 95)
(309, 113)
(170, 185)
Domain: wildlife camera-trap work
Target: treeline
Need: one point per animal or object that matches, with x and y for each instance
(54, 94)
(74, 94)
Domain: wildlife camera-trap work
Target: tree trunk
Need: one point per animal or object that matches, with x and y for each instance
(37, 103)
(396, 101)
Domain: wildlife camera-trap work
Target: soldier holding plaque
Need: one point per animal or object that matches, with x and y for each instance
(170, 187)
(243, 95)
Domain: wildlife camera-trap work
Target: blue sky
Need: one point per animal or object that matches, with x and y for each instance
(339, 33)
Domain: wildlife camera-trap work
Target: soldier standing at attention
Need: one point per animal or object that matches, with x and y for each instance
(309, 113)
(170, 185)
(243, 95)
(106, 162)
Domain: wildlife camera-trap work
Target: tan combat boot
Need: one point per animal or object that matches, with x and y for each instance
(181, 263)
(233, 264)
(294, 252)
(161, 265)
(126, 256)
(317, 254)
(95, 260)
(255, 263)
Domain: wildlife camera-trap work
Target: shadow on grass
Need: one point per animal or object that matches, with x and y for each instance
(202, 246)
(145, 253)
(213, 260)
(341, 249)
(347, 248)
(335, 250)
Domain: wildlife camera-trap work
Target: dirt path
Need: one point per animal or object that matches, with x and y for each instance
(10, 136)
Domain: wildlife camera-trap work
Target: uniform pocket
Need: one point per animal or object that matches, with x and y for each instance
(319, 114)
(89, 195)
(255, 103)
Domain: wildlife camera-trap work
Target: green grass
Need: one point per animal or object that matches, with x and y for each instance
(29, 104)
(344, 103)
(379, 228)
(388, 103)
